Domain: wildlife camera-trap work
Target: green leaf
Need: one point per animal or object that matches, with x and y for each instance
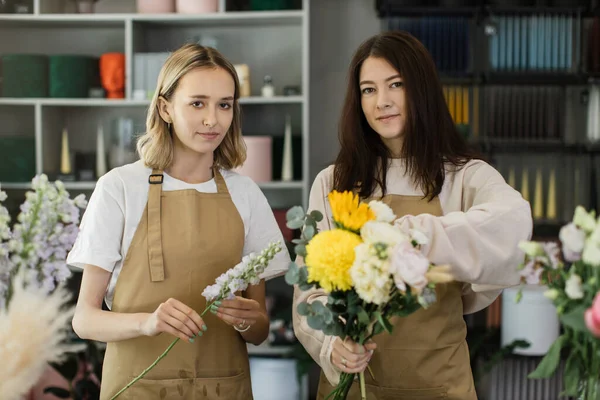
(298, 241)
(315, 322)
(316, 215)
(377, 329)
(295, 224)
(309, 232)
(549, 363)
(296, 212)
(572, 375)
(519, 296)
(574, 319)
(303, 275)
(300, 250)
(317, 307)
(363, 317)
(303, 309)
(293, 274)
(383, 321)
(327, 315)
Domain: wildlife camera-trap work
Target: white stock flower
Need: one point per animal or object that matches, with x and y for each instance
(532, 249)
(408, 266)
(380, 232)
(573, 240)
(584, 220)
(591, 253)
(531, 273)
(383, 212)
(370, 275)
(573, 287)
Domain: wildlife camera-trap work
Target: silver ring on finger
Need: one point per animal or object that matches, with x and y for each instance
(344, 362)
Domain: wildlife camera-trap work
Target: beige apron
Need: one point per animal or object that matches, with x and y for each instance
(426, 357)
(184, 241)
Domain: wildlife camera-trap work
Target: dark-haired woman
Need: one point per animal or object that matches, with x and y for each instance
(398, 142)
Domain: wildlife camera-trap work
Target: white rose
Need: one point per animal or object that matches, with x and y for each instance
(532, 249)
(572, 239)
(573, 287)
(419, 237)
(584, 220)
(591, 253)
(381, 232)
(408, 265)
(383, 212)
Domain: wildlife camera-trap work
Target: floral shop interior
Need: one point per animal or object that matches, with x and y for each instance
(520, 79)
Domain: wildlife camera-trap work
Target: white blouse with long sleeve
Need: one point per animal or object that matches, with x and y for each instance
(483, 221)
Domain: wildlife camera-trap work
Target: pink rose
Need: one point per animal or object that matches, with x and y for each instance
(592, 317)
(408, 266)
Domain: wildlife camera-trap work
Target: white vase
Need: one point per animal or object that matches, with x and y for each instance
(533, 319)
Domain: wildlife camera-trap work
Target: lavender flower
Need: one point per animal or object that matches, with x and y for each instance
(46, 229)
(239, 277)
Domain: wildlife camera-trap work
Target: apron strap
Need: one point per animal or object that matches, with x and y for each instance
(220, 181)
(155, 251)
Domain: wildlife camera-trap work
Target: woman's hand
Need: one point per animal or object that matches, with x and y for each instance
(175, 318)
(238, 312)
(351, 357)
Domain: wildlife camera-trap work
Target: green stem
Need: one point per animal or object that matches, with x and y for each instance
(363, 388)
(140, 376)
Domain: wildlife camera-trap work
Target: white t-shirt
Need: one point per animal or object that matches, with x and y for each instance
(118, 202)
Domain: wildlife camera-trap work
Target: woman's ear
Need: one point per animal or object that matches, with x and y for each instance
(164, 109)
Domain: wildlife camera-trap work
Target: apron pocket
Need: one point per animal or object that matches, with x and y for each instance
(224, 388)
(160, 389)
(221, 388)
(434, 393)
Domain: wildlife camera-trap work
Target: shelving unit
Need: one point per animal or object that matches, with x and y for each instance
(274, 43)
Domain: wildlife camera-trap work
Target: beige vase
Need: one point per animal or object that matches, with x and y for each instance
(197, 6)
(155, 6)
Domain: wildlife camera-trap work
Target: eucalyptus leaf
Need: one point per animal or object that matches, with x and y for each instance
(309, 232)
(298, 241)
(300, 250)
(318, 307)
(303, 274)
(295, 224)
(292, 275)
(549, 363)
(327, 315)
(303, 309)
(303, 285)
(316, 215)
(296, 212)
(574, 319)
(315, 322)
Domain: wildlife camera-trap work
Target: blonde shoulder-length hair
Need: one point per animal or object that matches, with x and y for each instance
(155, 147)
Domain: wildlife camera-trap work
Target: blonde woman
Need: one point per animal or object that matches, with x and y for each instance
(158, 231)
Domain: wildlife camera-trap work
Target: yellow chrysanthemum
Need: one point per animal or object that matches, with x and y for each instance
(329, 256)
(348, 211)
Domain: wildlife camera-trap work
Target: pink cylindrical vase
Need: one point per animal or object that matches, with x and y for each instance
(258, 164)
(155, 6)
(197, 6)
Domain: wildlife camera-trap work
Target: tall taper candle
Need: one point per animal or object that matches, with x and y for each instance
(525, 184)
(551, 207)
(65, 157)
(100, 152)
(538, 205)
(287, 168)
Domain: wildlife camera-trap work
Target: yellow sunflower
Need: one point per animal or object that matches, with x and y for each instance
(329, 256)
(348, 211)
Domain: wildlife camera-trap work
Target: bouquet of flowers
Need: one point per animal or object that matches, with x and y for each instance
(234, 280)
(370, 269)
(34, 319)
(573, 280)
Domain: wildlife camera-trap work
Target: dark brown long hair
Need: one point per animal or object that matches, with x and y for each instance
(430, 138)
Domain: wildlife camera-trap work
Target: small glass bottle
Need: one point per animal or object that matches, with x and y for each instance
(268, 90)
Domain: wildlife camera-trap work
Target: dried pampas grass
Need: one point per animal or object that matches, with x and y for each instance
(33, 332)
